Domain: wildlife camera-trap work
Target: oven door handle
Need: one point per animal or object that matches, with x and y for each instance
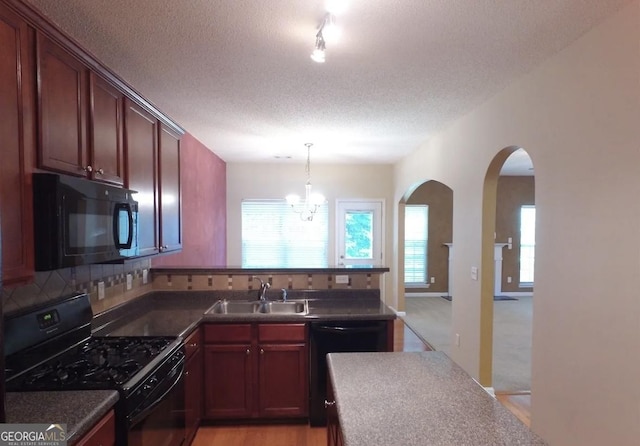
(142, 415)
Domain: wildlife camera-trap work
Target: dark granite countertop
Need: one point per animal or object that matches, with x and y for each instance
(78, 409)
(416, 399)
(168, 313)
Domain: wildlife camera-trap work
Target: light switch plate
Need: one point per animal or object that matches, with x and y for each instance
(342, 278)
(474, 273)
(100, 290)
(129, 281)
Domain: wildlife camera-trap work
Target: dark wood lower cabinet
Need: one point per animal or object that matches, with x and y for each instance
(193, 386)
(255, 371)
(102, 434)
(334, 433)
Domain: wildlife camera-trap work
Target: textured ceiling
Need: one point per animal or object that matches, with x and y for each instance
(237, 74)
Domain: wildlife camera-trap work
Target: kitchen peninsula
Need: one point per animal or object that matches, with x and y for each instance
(408, 399)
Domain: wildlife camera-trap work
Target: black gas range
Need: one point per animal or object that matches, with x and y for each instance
(50, 348)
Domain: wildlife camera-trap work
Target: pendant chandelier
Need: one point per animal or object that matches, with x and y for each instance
(312, 201)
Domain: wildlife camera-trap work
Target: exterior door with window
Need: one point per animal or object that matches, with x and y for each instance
(359, 233)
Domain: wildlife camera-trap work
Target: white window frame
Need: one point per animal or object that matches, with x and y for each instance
(425, 247)
(526, 283)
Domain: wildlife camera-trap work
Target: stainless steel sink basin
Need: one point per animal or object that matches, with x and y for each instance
(291, 307)
(233, 307)
(242, 307)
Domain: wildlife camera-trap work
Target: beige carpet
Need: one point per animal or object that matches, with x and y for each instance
(430, 318)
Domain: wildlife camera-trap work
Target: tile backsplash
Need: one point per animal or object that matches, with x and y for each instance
(202, 281)
(50, 285)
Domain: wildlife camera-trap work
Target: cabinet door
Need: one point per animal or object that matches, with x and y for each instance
(228, 381)
(334, 433)
(102, 434)
(283, 377)
(193, 395)
(170, 209)
(62, 106)
(17, 135)
(106, 131)
(141, 147)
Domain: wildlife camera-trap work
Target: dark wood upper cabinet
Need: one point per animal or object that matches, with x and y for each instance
(80, 117)
(62, 109)
(169, 173)
(106, 131)
(17, 134)
(141, 148)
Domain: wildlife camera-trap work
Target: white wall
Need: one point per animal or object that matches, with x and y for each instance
(578, 116)
(276, 180)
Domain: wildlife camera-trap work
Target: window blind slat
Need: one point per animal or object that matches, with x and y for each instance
(274, 236)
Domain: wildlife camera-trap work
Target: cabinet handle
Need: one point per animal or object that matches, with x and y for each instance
(248, 352)
(193, 345)
(100, 171)
(328, 404)
(261, 351)
(186, 373)
(88, 169)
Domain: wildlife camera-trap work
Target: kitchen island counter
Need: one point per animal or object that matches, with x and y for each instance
(78, 409)
(417, 399)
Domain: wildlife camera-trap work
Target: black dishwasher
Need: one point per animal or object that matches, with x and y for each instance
(336, 337)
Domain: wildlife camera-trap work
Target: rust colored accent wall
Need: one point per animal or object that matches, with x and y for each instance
(439, 197)
(203, 177)
(512, 193)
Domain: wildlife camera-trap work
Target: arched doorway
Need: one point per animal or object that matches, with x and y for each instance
(427, 222)
(508, 236)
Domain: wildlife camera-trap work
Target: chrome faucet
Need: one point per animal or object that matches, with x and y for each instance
(264, 286)
(283, 293)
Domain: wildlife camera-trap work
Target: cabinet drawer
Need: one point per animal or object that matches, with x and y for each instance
(281, 332)
(227, 333)
(192, 343)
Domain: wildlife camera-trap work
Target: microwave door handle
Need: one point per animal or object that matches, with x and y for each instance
(116, 225)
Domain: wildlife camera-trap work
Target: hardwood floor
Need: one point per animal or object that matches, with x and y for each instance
(263, 435)
(405, 340)
(519, 404)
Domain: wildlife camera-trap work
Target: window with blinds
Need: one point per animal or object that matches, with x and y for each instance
(416, 224)
(527, 244)
(274, 236)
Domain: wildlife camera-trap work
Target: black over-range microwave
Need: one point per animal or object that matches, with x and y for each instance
(82, 222)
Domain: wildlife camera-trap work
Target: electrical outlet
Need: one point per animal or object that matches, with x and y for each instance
(433, 280)
(129, 281)
(474, 273)
(100, 290)
(342, 279)
(145, 276)
(509, 279)
(457, 340)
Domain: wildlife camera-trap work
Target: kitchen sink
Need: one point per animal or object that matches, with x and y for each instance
(241, 307)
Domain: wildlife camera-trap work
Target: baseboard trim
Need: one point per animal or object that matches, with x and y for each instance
(516, 293)
(399, 313)
(490, 390)
(427, 294)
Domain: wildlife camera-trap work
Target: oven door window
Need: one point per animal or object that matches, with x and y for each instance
(89, 228)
